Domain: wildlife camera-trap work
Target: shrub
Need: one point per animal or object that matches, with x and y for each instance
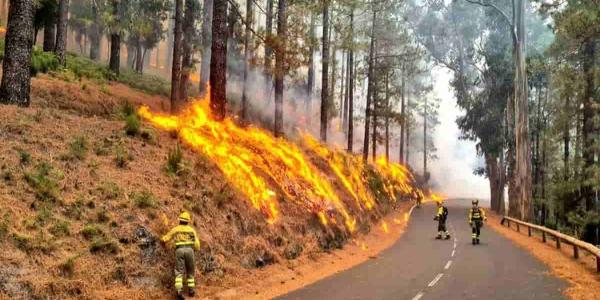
(153, 85)
(91, 232)
(60, 229)
(75, 210)
(24, 157)
(77, 149)
(43, 62)
(122, 157)
(126, 109)
(67, 268)
(44, 181)
(132, 125)
(104, 245)
(102, 216)
(144, 199)
(109, 190)
(174, 160)
(44, 216)
(21, 241)
(84, 67)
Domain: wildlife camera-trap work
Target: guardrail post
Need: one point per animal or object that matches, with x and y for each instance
(557, 243)
(529, 231)
(575, 251)
(508, 222)
(543, 236)
(518, 228)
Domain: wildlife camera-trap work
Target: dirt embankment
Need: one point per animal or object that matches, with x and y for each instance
(584, 282)
(82, 204)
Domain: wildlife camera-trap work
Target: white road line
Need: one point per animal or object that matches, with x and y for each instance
(453, 251)
(418, 296)
(448, 265)
(435, 280)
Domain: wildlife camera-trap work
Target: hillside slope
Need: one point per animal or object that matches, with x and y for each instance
(83, 201)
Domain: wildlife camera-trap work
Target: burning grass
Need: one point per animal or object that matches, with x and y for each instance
(261, 166)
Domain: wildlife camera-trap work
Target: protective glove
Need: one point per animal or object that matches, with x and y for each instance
(436, 218)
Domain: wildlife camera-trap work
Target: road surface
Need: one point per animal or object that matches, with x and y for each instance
(419, 267)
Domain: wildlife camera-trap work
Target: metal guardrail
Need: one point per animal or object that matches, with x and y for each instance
(558, 237)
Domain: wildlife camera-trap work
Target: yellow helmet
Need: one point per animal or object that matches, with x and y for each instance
(185, 217)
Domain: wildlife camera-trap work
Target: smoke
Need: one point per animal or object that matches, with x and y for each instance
(452, 174)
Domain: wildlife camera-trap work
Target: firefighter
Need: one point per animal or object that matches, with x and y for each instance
(419, 198)
(476, 218)
(441, 216)
(186, 241)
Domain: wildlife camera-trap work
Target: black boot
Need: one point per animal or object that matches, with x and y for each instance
(180, 295)
(477, 240)
(191, 292)
(474, 241)
(447, 237)
(438, 237)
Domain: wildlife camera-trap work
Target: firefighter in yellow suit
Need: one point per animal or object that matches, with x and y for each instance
(186, 241)
(476, 218)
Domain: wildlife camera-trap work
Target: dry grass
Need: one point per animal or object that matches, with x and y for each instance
(584, 282)
(121, 260)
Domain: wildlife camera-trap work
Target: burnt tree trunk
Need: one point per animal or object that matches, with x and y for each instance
(387, 118)
(350, 120)
(325, 72)
(247, 56)
(280, 66)
(310, 82)
(177, 52)
(50, 35)
(115, 43)
(369, 89)
(403, 115)
(16, 76)
(95, 32)
(207, 15)
(61, 31)
(218, 60)
(188, 40)
(268, 49)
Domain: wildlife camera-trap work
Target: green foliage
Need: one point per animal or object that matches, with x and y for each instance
(44, 216)
(77, 149)
(74, 210)
(91, 231)
(126, 109)
(150, 84)
(104, 245)
(45, 182)
(60, 229)
(109, 190)
(43, 62)
(174, 160)
(24, 157)
(132, 125)
(67, 268)
(122, 157)
(144, 199)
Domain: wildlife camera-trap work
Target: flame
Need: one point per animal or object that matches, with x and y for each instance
(384, 227)
(264, 167)
(2, 30)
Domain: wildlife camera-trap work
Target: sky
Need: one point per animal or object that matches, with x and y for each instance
(452, 172)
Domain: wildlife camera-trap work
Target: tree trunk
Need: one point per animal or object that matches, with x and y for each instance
(523, 183)
(115, 44)
(176, 67)
(494, 176)
(566, 140)
(342, 83)
(374, 112)
(206, 45)
(61, 32)
(369, 89)
(247, 56)
(407, 122)
(590, 113)
(350, 120)
(513, 202)
(131, 52)
(95, 32)
(345, 93)
(188, 40)
(310, 83)
(268, 50)
(280, 66)
(50, 35)
(387, 118)
(403, 115)
(425, 173)
(139, 58)
(16, 76)
(218, 60)
(325, 72)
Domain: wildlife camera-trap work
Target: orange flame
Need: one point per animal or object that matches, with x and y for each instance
(258, 164)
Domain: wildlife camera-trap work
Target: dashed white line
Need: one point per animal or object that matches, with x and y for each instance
(435, 280)
(453, 252)
(418, 296)
(448, 265)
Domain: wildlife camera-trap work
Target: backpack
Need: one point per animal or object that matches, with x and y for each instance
(445, 213)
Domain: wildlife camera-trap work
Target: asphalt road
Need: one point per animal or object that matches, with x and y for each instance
(419, 267)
